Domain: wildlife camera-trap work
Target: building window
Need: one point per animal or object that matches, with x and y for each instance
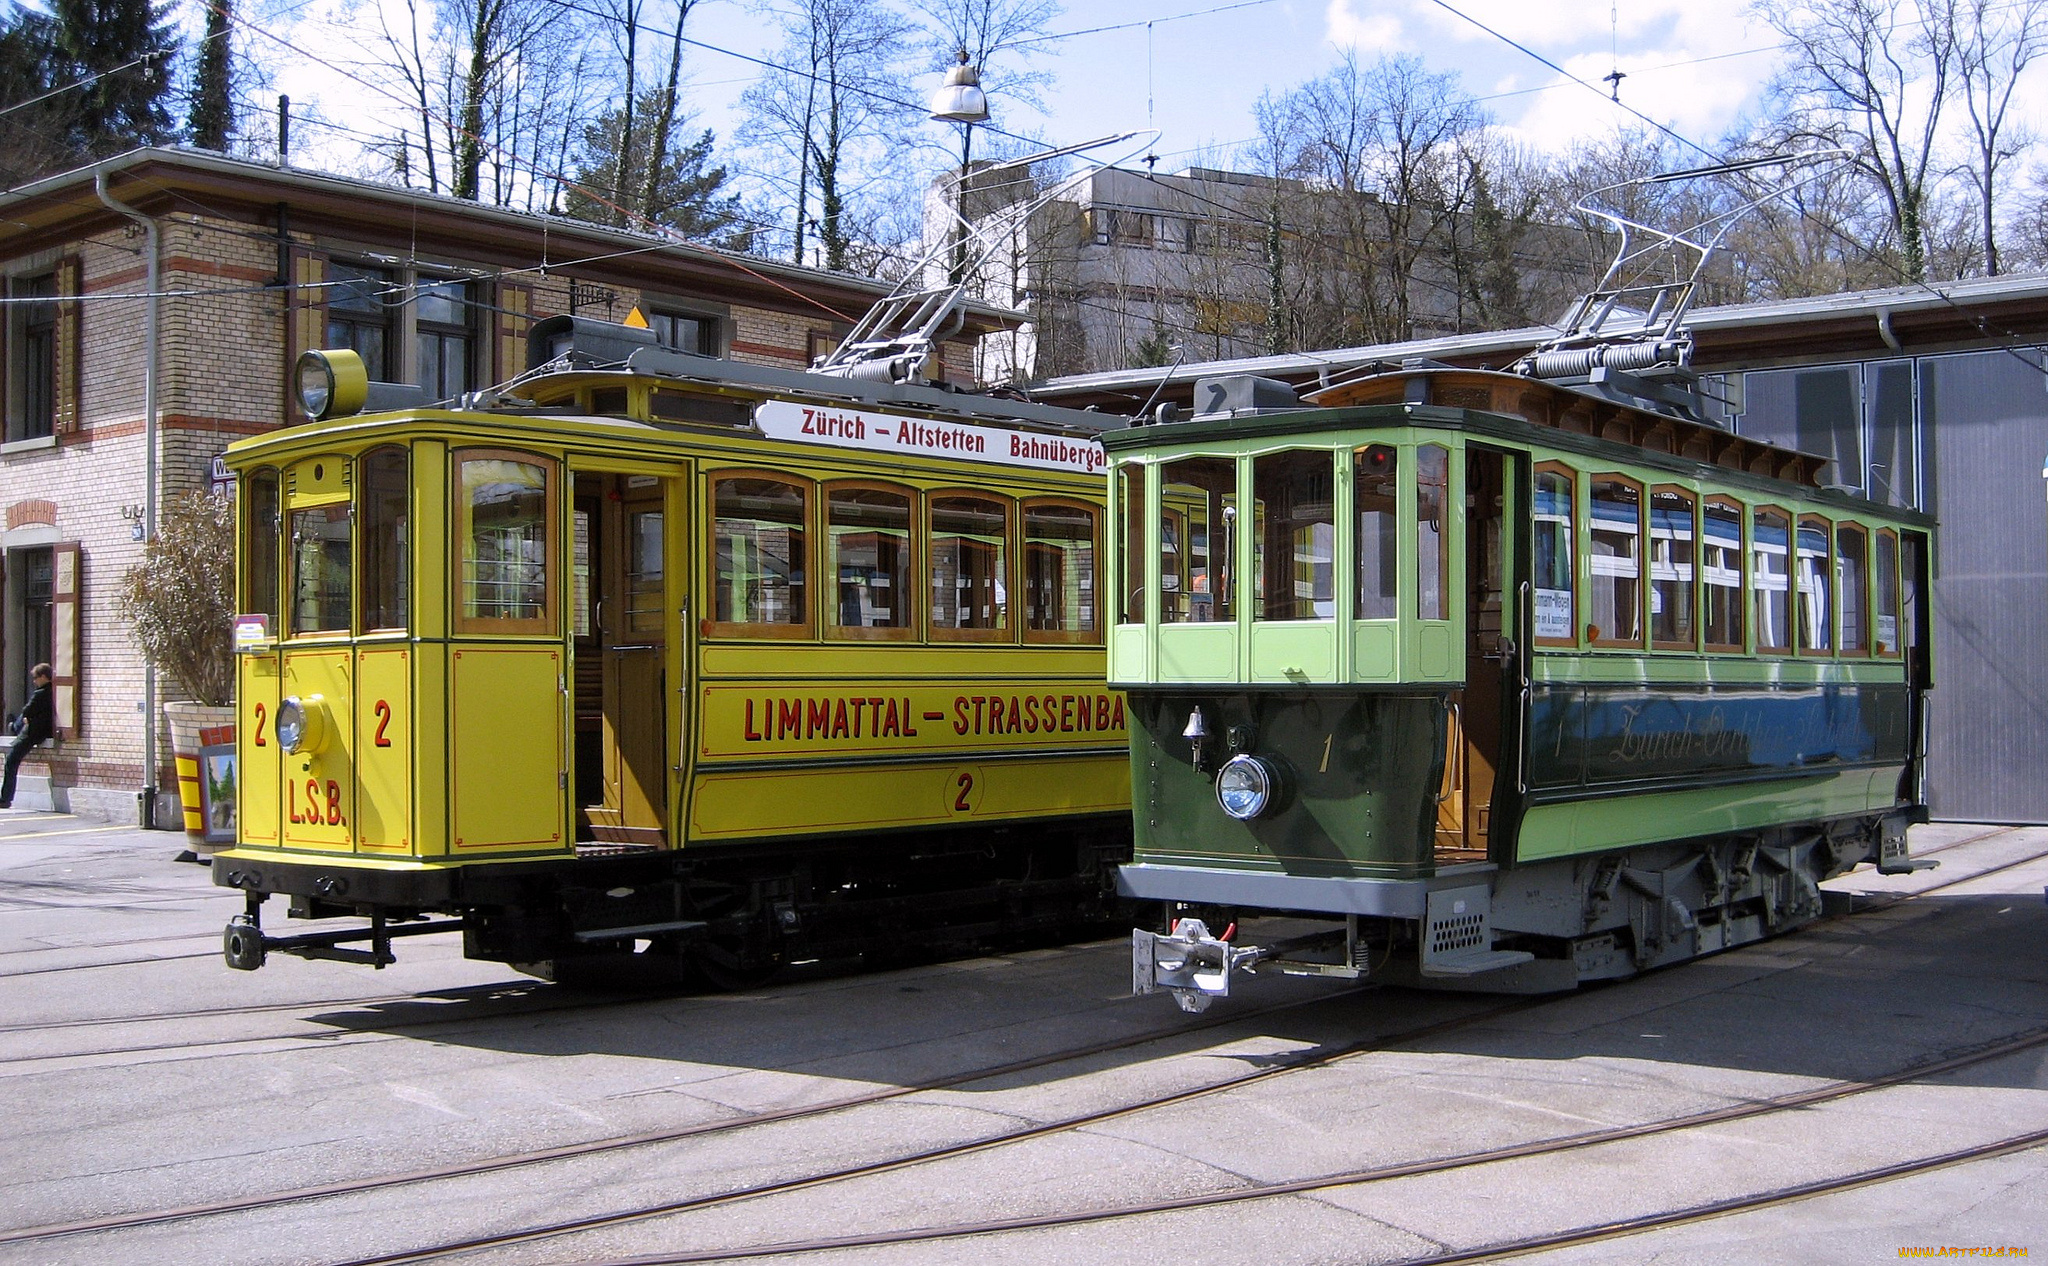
(685, 332)
(360, 310)
(35, 360)
(38, 575)
(446, 336)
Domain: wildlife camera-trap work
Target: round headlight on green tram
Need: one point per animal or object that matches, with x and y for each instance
(1247, 787)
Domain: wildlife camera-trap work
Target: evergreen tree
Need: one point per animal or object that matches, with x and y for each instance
(120, 110)
(213, 97)
(682, 193)
(34, 138)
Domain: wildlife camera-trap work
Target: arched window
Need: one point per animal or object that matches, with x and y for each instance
(505, 512)
(970, 561)
(868, 556)
(1060, 588)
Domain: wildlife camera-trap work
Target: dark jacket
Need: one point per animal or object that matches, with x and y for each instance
(38, 717)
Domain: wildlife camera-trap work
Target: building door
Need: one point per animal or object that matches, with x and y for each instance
(628, 596)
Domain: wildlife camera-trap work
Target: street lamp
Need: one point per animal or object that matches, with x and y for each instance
(961, 100)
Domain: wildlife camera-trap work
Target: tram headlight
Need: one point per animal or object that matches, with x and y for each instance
(301, 725)
(1248, 786)
(330, 384)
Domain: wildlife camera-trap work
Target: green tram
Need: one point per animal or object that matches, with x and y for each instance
(1507, 686)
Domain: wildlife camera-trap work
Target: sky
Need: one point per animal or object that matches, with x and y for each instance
(1194, 69)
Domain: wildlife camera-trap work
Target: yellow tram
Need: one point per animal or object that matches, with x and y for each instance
(653, 650)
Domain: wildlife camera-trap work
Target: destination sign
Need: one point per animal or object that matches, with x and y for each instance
(924, 437)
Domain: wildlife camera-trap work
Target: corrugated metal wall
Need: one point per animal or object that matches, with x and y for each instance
(1985, 427)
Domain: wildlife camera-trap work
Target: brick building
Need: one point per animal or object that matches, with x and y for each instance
(253, 264)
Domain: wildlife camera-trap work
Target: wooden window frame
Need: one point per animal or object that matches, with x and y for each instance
(1755, 632)
(795, 631)
(1573, 520)
(1742, 573)
(1898, 594)
(1061, 637)
(913, 598)
(1642, 640)
(1827, 571)
(251, 533)
(1012, 523)
(1692, 498)
(1869, 631)
(548, 622)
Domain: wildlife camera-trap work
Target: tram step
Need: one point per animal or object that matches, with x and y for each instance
(1474, 962)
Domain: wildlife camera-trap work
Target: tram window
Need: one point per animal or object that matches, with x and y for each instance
(1912, 575)
(1887, 623)
(645, 595)
(1059, 572)
(758, 552)
(1852, 580)
(1816, 622)
(867, 538)
(1197, 540)
(1296, 547)
(1673, 545)
(1432, 539)
(1379, 532)
(1556, 568)
(1721, 570)
(320, 569)
(504, 505)
(387, 538)
(1130, 509)
(1770, 538)
(260, 529)
(969, 566)
(1616, 535)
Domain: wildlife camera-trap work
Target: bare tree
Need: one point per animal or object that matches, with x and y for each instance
(1996, 44)
(1878, 73)
(831, 102)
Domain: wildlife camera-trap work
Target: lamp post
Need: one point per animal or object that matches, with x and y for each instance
(961, 100)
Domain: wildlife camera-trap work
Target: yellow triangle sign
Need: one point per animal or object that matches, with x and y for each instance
(635, 320)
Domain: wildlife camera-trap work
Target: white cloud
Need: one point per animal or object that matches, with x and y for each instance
(1378, 32)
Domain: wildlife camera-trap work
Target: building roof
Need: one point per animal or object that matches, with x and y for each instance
(160, 181)
(1978, 312)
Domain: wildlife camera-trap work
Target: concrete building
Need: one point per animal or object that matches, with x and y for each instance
(1124, 264)
(1930, 397)
(245, 265)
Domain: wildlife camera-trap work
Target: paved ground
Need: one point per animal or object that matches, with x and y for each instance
(141, 1075)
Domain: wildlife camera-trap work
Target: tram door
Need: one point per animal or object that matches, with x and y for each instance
(624, 581)
(1472, 763)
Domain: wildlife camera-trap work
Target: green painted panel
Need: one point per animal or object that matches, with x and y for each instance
(1590, 826)
(1628, 667)
(1294, 650)
(1127, 654)
(1197, 652)
(1376, 651)
(1436, 652)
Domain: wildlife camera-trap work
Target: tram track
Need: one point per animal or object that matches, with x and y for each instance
(599, 1147)
(1311, 1060)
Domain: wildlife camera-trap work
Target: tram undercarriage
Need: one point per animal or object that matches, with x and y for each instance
(732, 918)
(1541, 927)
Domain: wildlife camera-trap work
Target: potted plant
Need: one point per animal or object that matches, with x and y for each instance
(179, 600)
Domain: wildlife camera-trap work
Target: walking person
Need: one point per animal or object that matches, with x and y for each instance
(35, 726)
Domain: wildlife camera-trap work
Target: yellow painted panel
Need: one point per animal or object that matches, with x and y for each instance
(384, 738)
(844, 659)
(757, 803)
(259, 772)
(505, 745)
(317, 481)
(319, 786)
(430, 746)
(891, 718)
